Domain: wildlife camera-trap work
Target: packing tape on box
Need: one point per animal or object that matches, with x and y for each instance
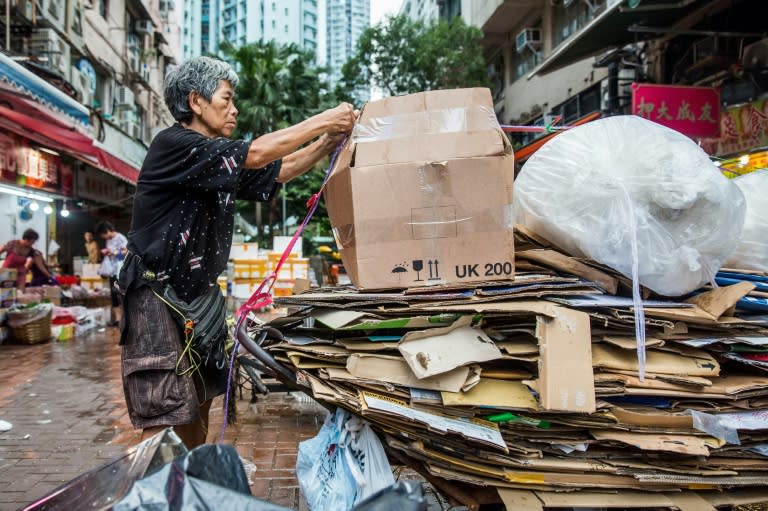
(431, 122)
(436, 222)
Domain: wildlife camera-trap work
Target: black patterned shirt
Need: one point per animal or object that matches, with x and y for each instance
(184, 207)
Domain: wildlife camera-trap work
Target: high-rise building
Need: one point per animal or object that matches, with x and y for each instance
(345, 22)
(431, 10)
(207, 22)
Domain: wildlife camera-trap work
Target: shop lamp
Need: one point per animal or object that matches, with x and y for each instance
(23, 193)
(64, 211)
(47, 209)
(34, 206)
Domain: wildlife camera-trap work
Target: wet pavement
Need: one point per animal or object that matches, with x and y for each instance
(65, 402)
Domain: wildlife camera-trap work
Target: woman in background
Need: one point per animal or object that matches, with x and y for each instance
(18, 252)
(92, 248)
(114, 253)
(41, 274)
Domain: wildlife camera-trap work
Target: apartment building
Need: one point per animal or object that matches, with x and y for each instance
(207, 22)
(345, 22)
(580, 58)
(81, 97)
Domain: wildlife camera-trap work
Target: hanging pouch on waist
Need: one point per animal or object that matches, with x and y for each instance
(204, 324)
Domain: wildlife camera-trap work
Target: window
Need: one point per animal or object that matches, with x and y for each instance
(285, 28)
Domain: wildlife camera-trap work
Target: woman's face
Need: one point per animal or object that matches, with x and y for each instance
(88, 237)
(28, 243)
(219, 115)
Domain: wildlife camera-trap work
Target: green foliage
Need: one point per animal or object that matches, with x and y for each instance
(279, 86)
(402, 56)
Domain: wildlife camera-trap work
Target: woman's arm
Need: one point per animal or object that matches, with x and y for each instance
(279, 144)
(299, 162)
(38, 260)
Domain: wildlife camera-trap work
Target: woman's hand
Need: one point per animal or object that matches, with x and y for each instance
(341, 119)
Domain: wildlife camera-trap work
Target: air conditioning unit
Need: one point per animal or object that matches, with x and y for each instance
(143, 26)
(124, 97)
(528, 38)
(755, 56)
(52, 50)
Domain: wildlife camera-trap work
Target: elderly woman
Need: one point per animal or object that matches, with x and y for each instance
(181, 235)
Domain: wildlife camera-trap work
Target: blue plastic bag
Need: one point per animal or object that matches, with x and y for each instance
(321, 468)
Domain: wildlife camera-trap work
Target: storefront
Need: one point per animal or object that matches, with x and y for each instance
(55, 176)
(743, 143)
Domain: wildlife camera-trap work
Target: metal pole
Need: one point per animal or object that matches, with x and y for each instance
(285, 192)
(8, 26)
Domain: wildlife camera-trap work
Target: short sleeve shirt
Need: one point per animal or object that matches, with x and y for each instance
(116, 246)
(184, 207)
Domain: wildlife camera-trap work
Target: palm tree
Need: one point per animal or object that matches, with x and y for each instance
(279, 86)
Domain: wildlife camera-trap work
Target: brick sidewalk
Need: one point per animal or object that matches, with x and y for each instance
(65, 402)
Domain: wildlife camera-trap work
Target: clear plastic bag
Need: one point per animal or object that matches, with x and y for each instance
(624, 190)
(752, 251)
(322, 468)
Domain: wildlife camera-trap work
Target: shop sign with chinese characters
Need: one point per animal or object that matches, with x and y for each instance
(24, 165)
(100, 187)
(693, 111)
(743, 129)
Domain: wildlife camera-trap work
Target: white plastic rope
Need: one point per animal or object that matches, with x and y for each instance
(636, 298)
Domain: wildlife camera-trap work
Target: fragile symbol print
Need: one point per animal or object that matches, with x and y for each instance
(432, 268)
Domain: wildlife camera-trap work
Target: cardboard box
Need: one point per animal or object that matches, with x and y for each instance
(427, 202)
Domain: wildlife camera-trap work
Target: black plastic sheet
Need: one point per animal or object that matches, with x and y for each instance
(403, 496)
(98, 489)
(208, 478)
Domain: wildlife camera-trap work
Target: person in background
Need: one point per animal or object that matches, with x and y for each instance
(181, 234)
(114, 253)
(41, 273)
(92, 248)
(18, 251)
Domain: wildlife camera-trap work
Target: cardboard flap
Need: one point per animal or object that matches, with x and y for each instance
(612, 357)
(683, 444)
(490, 393)
(719, 300)
(439, 350)
(520, 499)
(566, 381)
(396, 370)
(566, 264)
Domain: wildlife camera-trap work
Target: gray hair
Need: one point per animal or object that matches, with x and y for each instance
(200, 74)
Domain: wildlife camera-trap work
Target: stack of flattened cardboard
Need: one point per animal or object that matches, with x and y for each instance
(540, 394)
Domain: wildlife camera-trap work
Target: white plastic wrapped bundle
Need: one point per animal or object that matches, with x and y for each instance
(625, 184)
(752, 251)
